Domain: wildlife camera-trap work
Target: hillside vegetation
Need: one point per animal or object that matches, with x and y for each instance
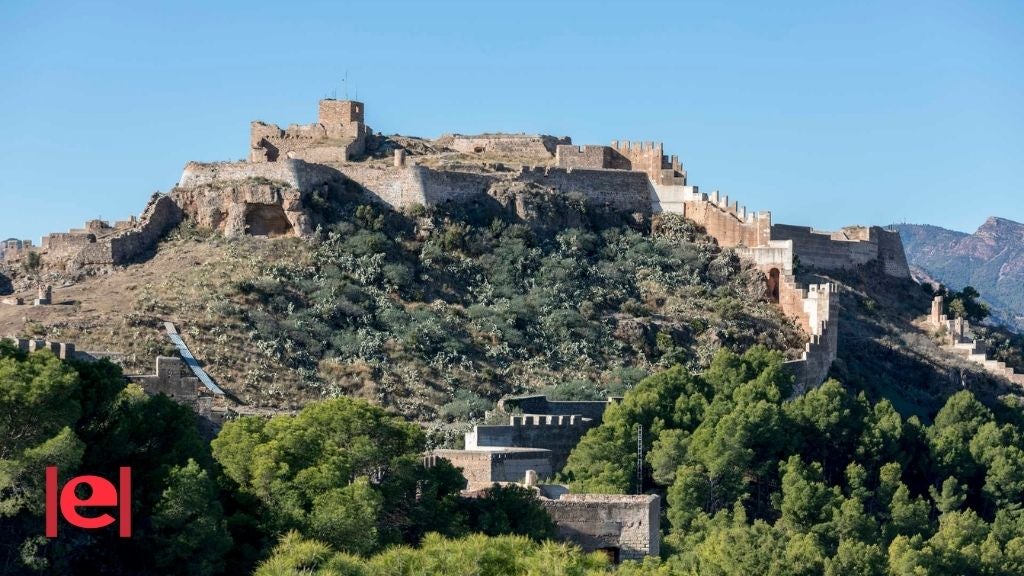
(435, 313)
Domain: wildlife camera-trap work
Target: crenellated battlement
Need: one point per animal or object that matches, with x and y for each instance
(63, 350)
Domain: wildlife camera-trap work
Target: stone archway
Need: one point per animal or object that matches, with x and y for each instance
(773, 285)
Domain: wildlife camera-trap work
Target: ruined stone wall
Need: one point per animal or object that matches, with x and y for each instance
(615, 189)
(296, 173)
(629, 524)
(60, 247)
(338, 135)
(63, 350)
(160, 216)
(559, 434)
(482, 468)
(540, 146)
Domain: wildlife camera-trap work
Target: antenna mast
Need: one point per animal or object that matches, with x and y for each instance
(640, 459)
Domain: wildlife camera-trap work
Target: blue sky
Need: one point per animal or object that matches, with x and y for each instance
(826, 113)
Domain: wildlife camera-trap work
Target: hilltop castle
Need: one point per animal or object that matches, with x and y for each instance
(267, 195)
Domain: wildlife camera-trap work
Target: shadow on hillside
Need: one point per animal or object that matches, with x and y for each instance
(882, 351)
(6, 286)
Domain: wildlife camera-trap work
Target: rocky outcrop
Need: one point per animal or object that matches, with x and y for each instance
(255, 206)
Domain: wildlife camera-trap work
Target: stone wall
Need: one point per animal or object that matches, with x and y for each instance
(627, 527)
(298, 174)
(847, 248)
(646, 157)
(559, 434)
(170, 381)
(587, 156)
(160, 215)
(820, 317)
(482, 468)
(614, 189)
(63, 350)
(338, 136)
(729, 223)
(104, 245)
(539, 404)
(539, 146)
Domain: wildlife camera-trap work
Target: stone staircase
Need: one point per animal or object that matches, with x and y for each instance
(960, 342)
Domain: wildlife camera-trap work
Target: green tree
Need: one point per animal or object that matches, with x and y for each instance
(189, 530)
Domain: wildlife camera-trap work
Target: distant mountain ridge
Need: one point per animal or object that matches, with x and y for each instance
(991, 259)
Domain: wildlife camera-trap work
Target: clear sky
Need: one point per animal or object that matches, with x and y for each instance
(826, 113)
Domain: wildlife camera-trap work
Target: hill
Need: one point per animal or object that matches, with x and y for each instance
(436, 314)
(991, 260)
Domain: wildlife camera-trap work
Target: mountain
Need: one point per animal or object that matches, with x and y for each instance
(991, 259)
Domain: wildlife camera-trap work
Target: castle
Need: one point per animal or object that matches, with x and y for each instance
(267, 196)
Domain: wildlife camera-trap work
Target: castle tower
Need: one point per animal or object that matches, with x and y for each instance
(335, 112)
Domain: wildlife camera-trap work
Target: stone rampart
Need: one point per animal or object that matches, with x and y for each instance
(539, 146)
(63, 350)
(169, 380)
(160, 215)
(482, 468)
(626, 527)
(298, 174)
(730, 223)
(615, 189)
(539, 404)
(559, 434)
(847, 248)
(819, 314)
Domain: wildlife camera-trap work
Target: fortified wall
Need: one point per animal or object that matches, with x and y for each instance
(538, 146)
(338, 135)
(625, 527)
(956, 336)
(557, 433)
(100, 243)
(13, 249)
(534, 447)
(646, 157)
(847, 248)
(262, 199)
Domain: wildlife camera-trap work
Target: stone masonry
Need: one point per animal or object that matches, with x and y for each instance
(625, 527)
(956, 337)
(338, 135)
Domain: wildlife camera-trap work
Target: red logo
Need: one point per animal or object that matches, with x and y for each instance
(102, 494)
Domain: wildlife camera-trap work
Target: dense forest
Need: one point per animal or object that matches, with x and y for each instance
(825, 483)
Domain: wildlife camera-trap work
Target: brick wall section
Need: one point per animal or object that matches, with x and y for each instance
(609, 521)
